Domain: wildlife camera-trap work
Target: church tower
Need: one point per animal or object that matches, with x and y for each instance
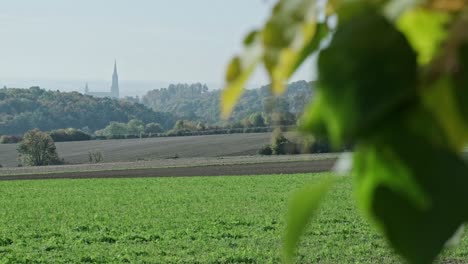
(115, 82)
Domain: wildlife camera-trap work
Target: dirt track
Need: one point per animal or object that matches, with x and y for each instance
(215, 170)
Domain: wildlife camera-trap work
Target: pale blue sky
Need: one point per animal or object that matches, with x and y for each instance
(164, 40)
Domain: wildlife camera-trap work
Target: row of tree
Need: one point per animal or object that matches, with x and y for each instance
(137, 128)
(24, 109)
(195, 102)
(134, 127)
(59, 135)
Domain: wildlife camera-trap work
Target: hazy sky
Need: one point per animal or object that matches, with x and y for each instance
(165, 40)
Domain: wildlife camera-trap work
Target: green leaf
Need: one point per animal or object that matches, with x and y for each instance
(316, 117)
(302, 207)
(239, 71)
(447, 102)
(394, 8)
(425, 30)
(461, 89)
(289, 36)
(368, 70)
(414, 189)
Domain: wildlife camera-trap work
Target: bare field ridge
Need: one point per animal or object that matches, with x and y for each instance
(210, 170)
(213, 155)
(124, 150)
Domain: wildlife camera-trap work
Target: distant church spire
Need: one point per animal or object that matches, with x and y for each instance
(115, 82)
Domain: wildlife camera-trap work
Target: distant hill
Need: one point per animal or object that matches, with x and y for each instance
(25, 109)
(197, 102)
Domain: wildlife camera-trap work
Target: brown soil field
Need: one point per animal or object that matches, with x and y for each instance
(151, 148)
(214, 170)
(164, 163)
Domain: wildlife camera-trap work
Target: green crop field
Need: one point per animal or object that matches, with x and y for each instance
(180, 220)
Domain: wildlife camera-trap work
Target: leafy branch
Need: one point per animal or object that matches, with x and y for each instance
(394, 82)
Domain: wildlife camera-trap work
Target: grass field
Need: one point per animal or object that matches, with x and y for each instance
(180, 220)
(151, 148)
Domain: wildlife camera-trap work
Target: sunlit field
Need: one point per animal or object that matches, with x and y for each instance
(181, 220)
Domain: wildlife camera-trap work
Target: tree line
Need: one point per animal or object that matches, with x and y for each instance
(180, 109)
(196, 103)
(24, 109)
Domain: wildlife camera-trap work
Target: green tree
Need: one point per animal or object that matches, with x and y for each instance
(392, 81)
(201, 126)
(135, 127)
(24, 109)
(195, 103)
(257, 120)
(69, 134)
(115, 129)
(37, 149)
(153, 128)
(179, 125)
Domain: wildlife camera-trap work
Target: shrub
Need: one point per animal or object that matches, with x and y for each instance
(320, 146)
(277, 142)
(38, 149)
(114, 130)
(265, 150)
(280, 145)
(201, 126)
(179, 132)
(115, 137)
(153, 128)
(313, 145)
(9, 139)
(95, 156)
(69, 134)
(135, 127)
(257, 120)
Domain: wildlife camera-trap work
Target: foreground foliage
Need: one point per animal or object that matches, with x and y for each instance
(392, 80)
(181, 220)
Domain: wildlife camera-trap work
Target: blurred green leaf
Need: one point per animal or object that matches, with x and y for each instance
(289, 37)
(394, 8)
(447, 5)
(461, 89)
(425, 30)
(303, 205)
(250, 38)
(238, 72)
(316, 118)
(418, 206)
(362, 81)
(385, 84)
(442, 99)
